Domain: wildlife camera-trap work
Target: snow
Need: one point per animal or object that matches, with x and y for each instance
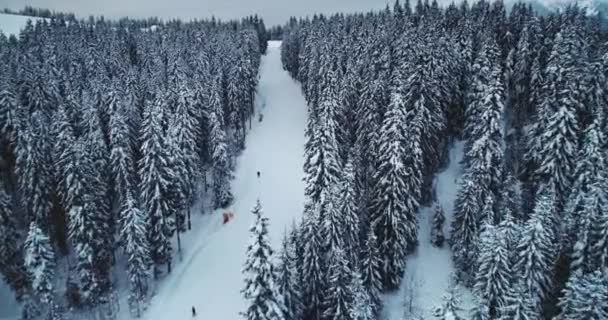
(428, 270)
(12, 24)
(210, 277)
(9, 308)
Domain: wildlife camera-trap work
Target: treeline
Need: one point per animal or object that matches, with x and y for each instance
(108, 134)
(388, 92)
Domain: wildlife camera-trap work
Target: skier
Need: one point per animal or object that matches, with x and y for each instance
(258, 174)
(193, 312)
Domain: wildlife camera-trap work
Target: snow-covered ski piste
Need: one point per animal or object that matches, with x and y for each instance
(209, 275)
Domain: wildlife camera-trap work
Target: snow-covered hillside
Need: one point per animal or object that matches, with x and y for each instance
(12, 24)
(209, 276)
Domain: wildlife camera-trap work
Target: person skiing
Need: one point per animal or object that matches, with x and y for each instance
(258, 174)
(193, 312)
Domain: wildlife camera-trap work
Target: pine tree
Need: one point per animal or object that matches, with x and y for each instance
(264, 300)
(33, 168)
(537, 249)
(219, 152)
(519, 304)
(8, 113)
(135, 245)
(40, 264)
(347, 203)
(394, 218)
(370, 271)
(122, 155)
(464, 228)
(554, 141)
(11, 259)
(288, 278)
(363, 308)
(156, 175)
(338, 298)
(585, 297)
(493, 275)
(437, 236)
(313, 267)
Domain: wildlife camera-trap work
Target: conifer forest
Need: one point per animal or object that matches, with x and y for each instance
(354, 157)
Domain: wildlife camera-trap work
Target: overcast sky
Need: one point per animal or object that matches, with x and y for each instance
(273, 11)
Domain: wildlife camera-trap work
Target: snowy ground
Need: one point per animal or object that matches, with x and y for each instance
(428, 270)
(12, 24)
(209, 277)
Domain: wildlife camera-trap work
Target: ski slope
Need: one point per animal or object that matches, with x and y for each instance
(209, 277)
(428, 270)
(11, 24)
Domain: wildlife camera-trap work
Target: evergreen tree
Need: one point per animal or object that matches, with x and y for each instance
(264, 300)
(135, 245)
(219, 153)
(585, 297)
(519, 304)
(493, 275)
(537, 249)
(437, 236)
(156, 176)
(370, 271)
(394, 222)
(465, 227)
(288, 278)
(11, 259)
(338, 302)
(40, 264)
(313, 266)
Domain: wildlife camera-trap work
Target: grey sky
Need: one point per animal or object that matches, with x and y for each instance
(273, 11)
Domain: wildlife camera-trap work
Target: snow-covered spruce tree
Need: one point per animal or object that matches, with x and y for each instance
(155, 177)
(313, 278)
(8, 113)
(464, 227)
(338, 303)
(589, 171)
(323, 166)
(32, 167)
(40, 264)
(260, 291)
(588, 252)
(554, 138)
(511, 231)
(511, 199)
(363, 308)
(122, 158)
(83, 228)
(219, 151)
(370, 271)
(437, 236)
(134, 240)
(450, 309)
(393, 221)
(62, 152)
(484, 154)
(97, 200)
(493, 273)
(599, 224)
(519, 304)
(288, 279)
(585, 297)
(11, 260)
(347, 203)
(537, 249)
